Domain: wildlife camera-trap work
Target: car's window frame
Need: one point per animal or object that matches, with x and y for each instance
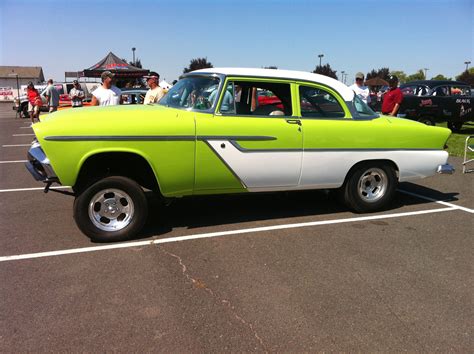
(210, 110)
(335, 94)
(234, 78)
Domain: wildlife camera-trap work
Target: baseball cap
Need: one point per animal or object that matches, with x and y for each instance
(152, 75)
(75, 82)
(359, 75)
(106, 74)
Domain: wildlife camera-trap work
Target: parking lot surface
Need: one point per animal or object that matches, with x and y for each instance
(262, 272)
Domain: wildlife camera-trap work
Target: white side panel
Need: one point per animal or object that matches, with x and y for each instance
(261, 169)
(327, 169)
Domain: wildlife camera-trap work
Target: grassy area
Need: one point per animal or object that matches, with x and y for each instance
(456, 140)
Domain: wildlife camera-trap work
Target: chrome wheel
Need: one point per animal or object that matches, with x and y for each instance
(111, 210)
(372, 185)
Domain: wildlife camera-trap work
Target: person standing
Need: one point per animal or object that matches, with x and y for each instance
(76, 94)
(52, 96)
(359, 88)
(34, 102)
(393, 98)
(155, 93)
(107, 94)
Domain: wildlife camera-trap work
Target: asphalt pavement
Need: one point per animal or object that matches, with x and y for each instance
(274, 272)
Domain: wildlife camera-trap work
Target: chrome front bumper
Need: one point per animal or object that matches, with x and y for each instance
(39, 166)
(445, 169)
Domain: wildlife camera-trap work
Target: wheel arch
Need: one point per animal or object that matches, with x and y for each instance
(126, 163)
(379, 161)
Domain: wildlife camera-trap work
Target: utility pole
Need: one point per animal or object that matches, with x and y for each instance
(467, 65)
(426, 69)
(320, 57)
(342, 74)
(133, 51)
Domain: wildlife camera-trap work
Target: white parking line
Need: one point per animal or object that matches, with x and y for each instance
(15, 145)
(31, 189)
(217, 234)
(24, 134)
(438, 201)
(26, 127)
(17, 161)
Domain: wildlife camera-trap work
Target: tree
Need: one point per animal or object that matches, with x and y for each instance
(138, 63)
(419, 75)
(382, 73)
(467, 77)
(196, 64)
(440, 77)
(325, 70)
(402, 77)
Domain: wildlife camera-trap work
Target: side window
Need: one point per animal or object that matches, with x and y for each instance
(318, 103)
(460, 91)
(440, 91)
(253, 98)
(414, 90)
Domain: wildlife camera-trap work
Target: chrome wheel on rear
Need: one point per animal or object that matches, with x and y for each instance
(372, 185)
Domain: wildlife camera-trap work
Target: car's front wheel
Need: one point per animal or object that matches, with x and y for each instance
(112, 209)
(370, 187)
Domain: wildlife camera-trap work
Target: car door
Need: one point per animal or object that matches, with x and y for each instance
(332, 140)
(247, 145)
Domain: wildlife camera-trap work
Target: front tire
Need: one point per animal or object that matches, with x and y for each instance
(427, 120)
(112, 209)
(370, 187)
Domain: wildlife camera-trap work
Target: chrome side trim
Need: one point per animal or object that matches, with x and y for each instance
(157, 138)
(445, 169)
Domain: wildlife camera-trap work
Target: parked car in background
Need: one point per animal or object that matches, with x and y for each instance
(133, 96)
(204, 139)
(428, 101)
(20, 104)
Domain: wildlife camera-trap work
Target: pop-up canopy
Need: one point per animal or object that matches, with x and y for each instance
(116, 65)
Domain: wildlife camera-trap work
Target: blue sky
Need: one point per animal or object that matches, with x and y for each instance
(353, 35)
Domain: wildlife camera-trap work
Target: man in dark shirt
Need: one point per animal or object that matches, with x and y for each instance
(393, 98)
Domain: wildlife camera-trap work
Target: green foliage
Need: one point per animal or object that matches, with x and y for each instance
(467, 77)
(440, 77)
(382, 73)
(402, 77)
(325, 70)
(419, 75)
(196, 64)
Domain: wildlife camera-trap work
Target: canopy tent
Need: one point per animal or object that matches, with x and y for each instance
(119, 67)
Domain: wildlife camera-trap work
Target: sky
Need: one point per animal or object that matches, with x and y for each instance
(357, 35)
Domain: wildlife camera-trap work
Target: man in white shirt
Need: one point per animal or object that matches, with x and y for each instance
(107, 94)
(359, 88)
(155, 93)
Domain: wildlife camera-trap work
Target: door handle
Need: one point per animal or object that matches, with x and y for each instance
(293, 121)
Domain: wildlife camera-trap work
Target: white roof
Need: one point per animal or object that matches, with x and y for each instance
(346, 93)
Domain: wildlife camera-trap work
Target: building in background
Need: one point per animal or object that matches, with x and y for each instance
(13, 77)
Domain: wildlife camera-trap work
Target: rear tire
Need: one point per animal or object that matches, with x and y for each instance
(112, 209)
(370, 187)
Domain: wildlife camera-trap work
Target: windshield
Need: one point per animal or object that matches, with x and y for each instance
(362, 108)
(196, 93)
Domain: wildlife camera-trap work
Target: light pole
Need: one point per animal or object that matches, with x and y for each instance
(17, 84)
(425, 69)
(342, 74)
(133, 51)
(320, 56)
(467, 65)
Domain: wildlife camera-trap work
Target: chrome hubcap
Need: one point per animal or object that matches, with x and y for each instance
(111, 210)
(372, 185)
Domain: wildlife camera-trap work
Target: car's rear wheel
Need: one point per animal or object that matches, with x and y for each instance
(112, 209)
(427, 120)
(370, 186)
(455, 126)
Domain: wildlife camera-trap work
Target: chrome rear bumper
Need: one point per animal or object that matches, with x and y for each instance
(445, 169)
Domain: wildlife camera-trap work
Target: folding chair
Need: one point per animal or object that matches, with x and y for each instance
(467, 148)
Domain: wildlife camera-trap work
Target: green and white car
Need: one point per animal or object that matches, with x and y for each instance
(210, 135)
